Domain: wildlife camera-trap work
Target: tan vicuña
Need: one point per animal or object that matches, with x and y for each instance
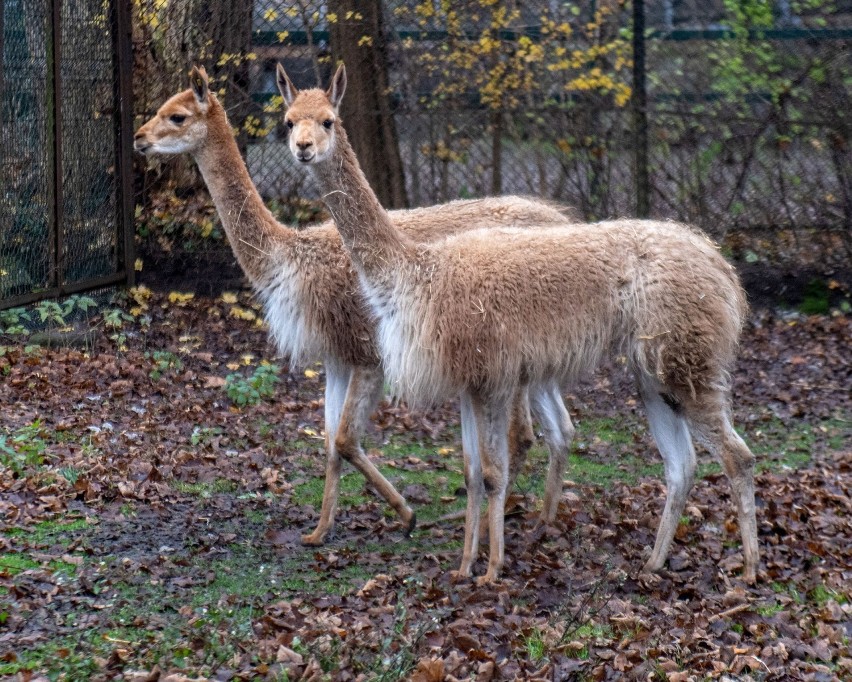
(484, 312)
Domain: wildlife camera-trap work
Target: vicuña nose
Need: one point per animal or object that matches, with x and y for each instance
(139, 135)
(304, 145)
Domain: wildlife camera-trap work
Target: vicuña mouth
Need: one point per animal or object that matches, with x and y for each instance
(305, 158)
(141, 148)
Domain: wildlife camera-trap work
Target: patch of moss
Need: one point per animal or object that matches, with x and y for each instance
(817, 298)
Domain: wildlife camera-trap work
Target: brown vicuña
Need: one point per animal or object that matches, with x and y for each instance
(310, 291)
(481, 313)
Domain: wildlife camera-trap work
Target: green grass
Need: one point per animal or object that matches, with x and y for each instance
(775, 443)
(16, 562)
(354, 489)
(251, 574)
(59, 531)
(535, 647)
(770, 609)
(593, 631)
(609, 430)
(206, 489)
(821, 595)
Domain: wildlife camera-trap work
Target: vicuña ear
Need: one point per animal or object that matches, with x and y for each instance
(338, 87)
(200, 86)
(285, 85)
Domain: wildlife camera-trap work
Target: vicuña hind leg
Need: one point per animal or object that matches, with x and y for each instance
(550, 411)
(714, 429)
(671, 434)
(351, 395)
(521, 434)
(492, 421)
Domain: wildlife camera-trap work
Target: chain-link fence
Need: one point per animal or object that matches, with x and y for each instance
(731, 113)
(65, 183)
(747, 115)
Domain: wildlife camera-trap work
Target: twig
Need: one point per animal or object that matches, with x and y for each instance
(729, 612)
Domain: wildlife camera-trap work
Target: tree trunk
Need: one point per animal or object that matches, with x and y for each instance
(203, 33)
(358, 39)
(228, 26)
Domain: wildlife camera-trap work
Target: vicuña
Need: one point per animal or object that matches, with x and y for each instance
(483, 312)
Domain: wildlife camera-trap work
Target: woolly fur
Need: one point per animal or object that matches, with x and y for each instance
(305, 278)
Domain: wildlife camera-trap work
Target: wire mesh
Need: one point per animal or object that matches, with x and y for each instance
(750, 128)
(90, 243)
(26, 190)
(60, 223)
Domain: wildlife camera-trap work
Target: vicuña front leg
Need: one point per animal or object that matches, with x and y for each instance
(473, 484)
(365, 389)
(492, 421)
(336, 387)
(350, 397)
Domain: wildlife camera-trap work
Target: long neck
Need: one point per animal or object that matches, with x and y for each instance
(368, 234)
(252, 230)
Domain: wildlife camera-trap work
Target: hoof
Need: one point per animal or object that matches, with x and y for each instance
(652, 567)
(459, 576)
(412, 524)
(490, 578)
(313, 540)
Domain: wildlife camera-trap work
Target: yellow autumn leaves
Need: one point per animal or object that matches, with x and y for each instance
(507, 65)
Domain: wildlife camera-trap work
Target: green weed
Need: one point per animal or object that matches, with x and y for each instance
(23, 449)
(12, 321)
(164, 361)
(204, 434)
(535, 647)
(821, 595)
(248, 391)
(816, 301)
(769, 610)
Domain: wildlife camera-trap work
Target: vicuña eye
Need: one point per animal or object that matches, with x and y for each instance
(327, 123)
(290, 124)
(177, 119)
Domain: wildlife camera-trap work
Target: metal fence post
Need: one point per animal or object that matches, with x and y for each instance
(640, 114)
(2, 60)
(123, 127)
(53, 103)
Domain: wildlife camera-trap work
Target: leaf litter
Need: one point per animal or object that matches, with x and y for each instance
(154, 532)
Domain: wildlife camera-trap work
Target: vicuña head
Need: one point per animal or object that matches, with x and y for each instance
(313, 121)
(181, 124)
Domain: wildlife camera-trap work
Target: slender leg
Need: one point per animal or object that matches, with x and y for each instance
(365, 388)
(492, 421)
(473, 483)
(671, 434)
(550, 411)
(521, 434)
(715, 430)
(336, 383)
